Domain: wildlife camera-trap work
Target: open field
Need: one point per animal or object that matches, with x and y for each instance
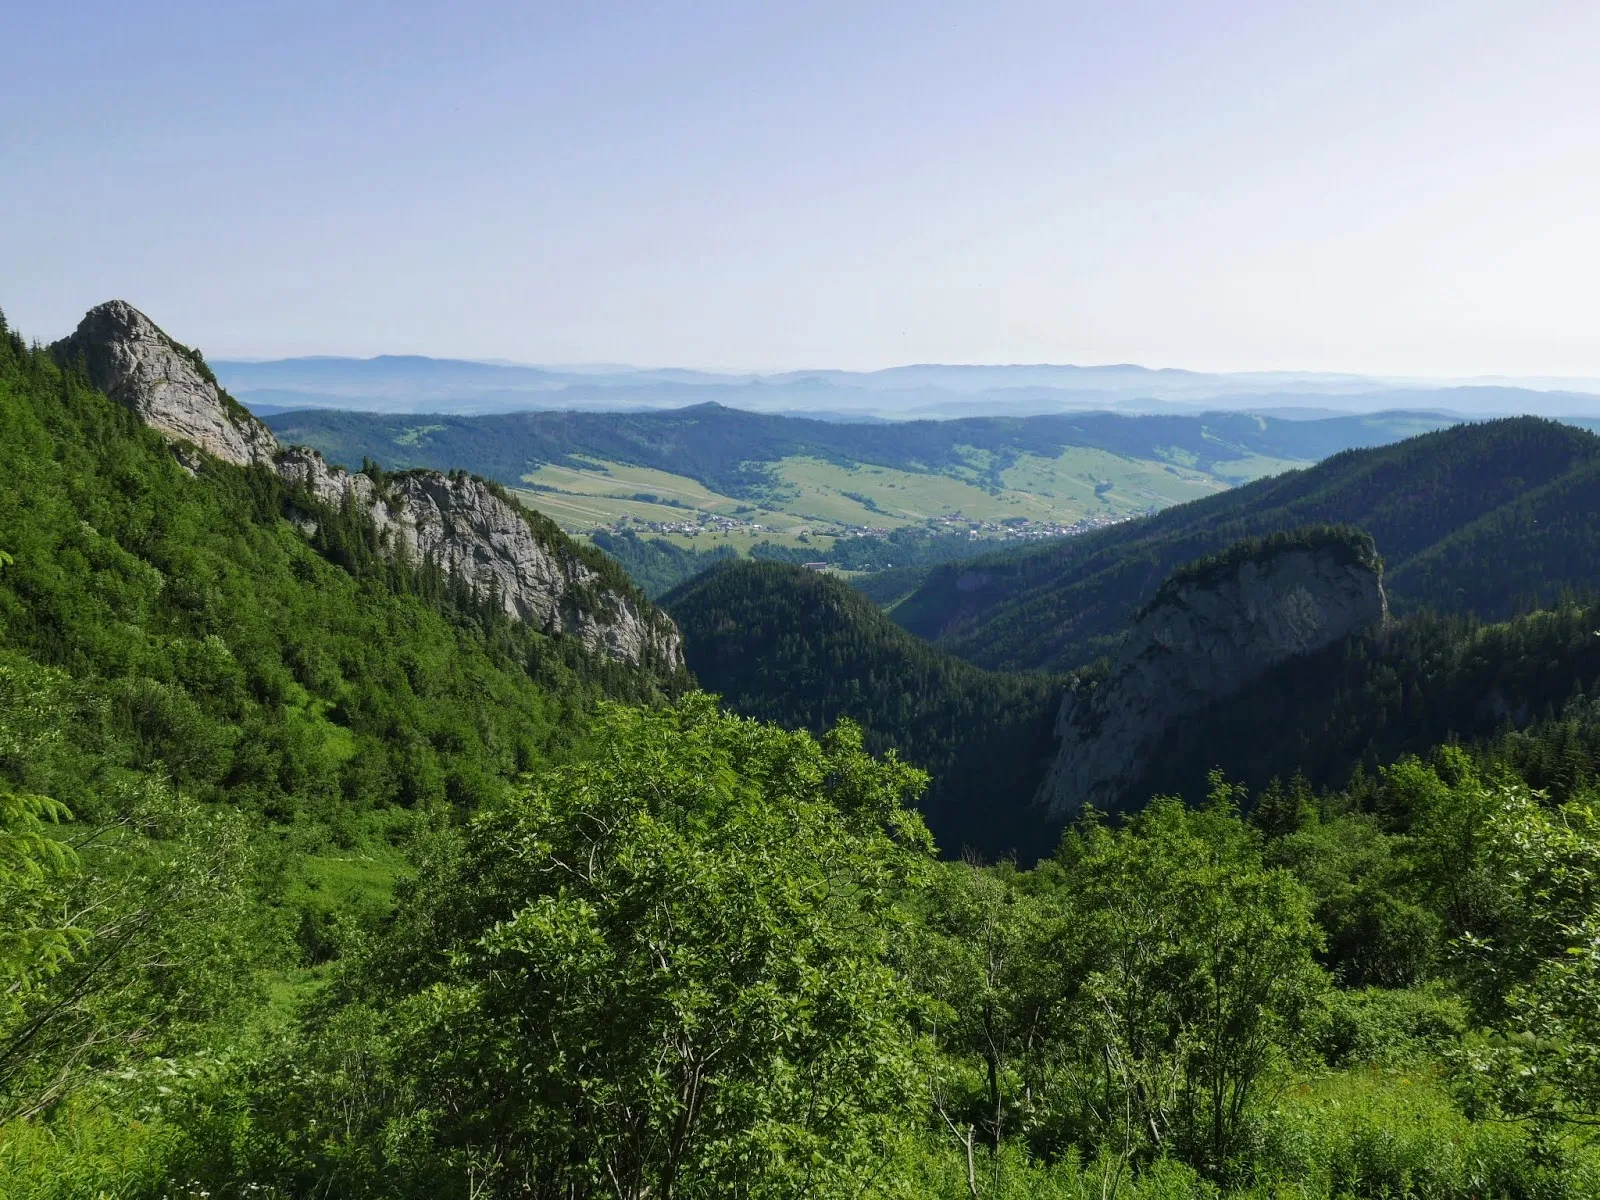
(810, 501)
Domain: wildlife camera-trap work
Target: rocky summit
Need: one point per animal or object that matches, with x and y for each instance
(466, 525)
(1211, 629)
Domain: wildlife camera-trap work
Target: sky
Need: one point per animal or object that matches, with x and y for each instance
(1392, 188)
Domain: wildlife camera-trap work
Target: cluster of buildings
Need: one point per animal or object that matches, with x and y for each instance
(689, 525)
(1025, 528)
(693, 524)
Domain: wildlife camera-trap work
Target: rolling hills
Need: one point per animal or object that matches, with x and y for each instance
(267, 696)
(1476, 518)
(711, 474)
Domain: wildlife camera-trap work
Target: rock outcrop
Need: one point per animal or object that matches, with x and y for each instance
(140, 367)
(1211, 629)
(467, 526)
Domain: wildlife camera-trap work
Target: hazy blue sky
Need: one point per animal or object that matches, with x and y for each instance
(1388, 187)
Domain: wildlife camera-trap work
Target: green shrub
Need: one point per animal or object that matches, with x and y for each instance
(1381, 1026)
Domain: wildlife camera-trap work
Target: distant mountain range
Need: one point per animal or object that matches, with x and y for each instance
(412, 384)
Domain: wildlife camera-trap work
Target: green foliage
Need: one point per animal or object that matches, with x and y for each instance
(215, 693)
(1391, 1027)
(660, 970)
(935, 1171)
(1417, 683)
(664, 950)
(1376, 931)
(1535, 959)
(979, 956)
(1348, 546)
(1391, 1133)
(804, 649)
(142, 930)
(34, 943)
(90, 1150)
(165, 931)
(1189, 971)
(208, 639)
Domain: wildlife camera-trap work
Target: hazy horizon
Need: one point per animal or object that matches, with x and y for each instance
(1533, 381)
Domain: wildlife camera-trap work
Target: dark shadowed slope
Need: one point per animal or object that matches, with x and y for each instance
(804, 649)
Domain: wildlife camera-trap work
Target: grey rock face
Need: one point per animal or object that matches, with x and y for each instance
(138, 366)
(1201, 641)
(457, 522)
(462, 525)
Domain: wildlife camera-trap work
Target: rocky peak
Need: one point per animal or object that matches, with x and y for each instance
(1212, 628)
(168, 385)
(467, 526)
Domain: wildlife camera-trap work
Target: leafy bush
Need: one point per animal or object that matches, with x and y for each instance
(1380, 1027)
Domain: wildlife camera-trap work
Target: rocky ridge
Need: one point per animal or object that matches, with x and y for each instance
(466, 525)
(1211, 629)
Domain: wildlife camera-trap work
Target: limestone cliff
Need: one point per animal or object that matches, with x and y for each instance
(1211, 629)
(468, 526)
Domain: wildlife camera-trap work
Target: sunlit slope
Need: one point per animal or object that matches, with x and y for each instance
(813, 496)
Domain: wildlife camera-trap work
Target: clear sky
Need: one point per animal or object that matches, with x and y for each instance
(1386, 187)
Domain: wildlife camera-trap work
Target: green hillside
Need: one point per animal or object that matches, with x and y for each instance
(729, 450)
(198, 682)
(237, 655)
(1447, 510)
(804, 649)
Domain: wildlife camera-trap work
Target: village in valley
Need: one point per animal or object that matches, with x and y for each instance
(1008, 529)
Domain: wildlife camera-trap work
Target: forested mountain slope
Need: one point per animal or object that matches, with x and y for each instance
(1215, 626)
(196, 630)
(804, 649)
(243, 697)
(1447, 510)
